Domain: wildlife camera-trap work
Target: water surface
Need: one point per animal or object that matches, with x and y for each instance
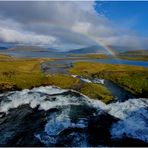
(38, 54)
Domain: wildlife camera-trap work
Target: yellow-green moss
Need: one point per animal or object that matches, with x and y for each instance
(21, 73)
(132, 78)
(63, 81)
(96, 91)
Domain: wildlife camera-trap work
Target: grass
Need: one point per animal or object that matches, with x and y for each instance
(135, 58)
(138, 55)
(132, 78)
(63, 81)
(4, 57)
(94, 91)
(18, 74)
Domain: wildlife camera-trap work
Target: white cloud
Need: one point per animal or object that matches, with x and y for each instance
(15, 36)
(60, 24)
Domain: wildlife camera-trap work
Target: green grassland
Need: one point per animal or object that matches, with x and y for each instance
(138, 55)
(135, 58)
(94, 91)
(131, 78)
(18, 74)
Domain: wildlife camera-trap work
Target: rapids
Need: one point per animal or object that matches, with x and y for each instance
(51, 116)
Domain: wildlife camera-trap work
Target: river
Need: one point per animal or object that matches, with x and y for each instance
(38, 54)
(51, 116)
(62, 66)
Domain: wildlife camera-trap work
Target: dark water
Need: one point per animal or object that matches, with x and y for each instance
(120, 61)
(107, 61)
(38, 54)
(119, 93)
(50, 116)
(62, 66)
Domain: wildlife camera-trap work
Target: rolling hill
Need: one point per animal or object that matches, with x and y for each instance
(87, 50)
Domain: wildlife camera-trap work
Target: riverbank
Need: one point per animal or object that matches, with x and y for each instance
(135, 58)
(131, 78)
(27, 73)
(18, 74)
(63, 116)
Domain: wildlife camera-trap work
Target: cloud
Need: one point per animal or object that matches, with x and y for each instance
(59, 24)
(18, 37)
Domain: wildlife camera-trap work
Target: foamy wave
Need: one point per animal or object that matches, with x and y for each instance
(134, 116)
(47, 97)
(133, 113)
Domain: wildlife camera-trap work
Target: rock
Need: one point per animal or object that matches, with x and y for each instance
(99, 129)
(19, 126)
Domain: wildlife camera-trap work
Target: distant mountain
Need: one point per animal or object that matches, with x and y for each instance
(3, 48)
(121, 49)
(87, 50)
(30, 48)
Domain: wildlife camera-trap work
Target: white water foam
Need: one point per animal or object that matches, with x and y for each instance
(134, 119)
(57, 123)
(39, 96)
(95, 80)
(98, 81)
(133, 113)
(49, 90)
(122, 109)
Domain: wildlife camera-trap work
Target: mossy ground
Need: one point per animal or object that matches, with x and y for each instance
(17, 74)
(23, 73)
(138, 55)
(135, 58)
(20, 73)
(132, 78)
(62, 80)
(94, 91)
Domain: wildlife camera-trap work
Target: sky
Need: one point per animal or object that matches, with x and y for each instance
(74, 24)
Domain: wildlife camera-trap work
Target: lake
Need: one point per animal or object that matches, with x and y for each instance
(30, 54)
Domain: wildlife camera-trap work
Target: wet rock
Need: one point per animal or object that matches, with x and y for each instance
(55, 117)
(128, 142)
(19, 126)
(50, 98)
(99, 129)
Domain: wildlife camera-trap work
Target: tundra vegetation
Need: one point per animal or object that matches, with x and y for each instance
(137, 55)
(94, 91)
(131, 78)
(18, 74)
(135, 58)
